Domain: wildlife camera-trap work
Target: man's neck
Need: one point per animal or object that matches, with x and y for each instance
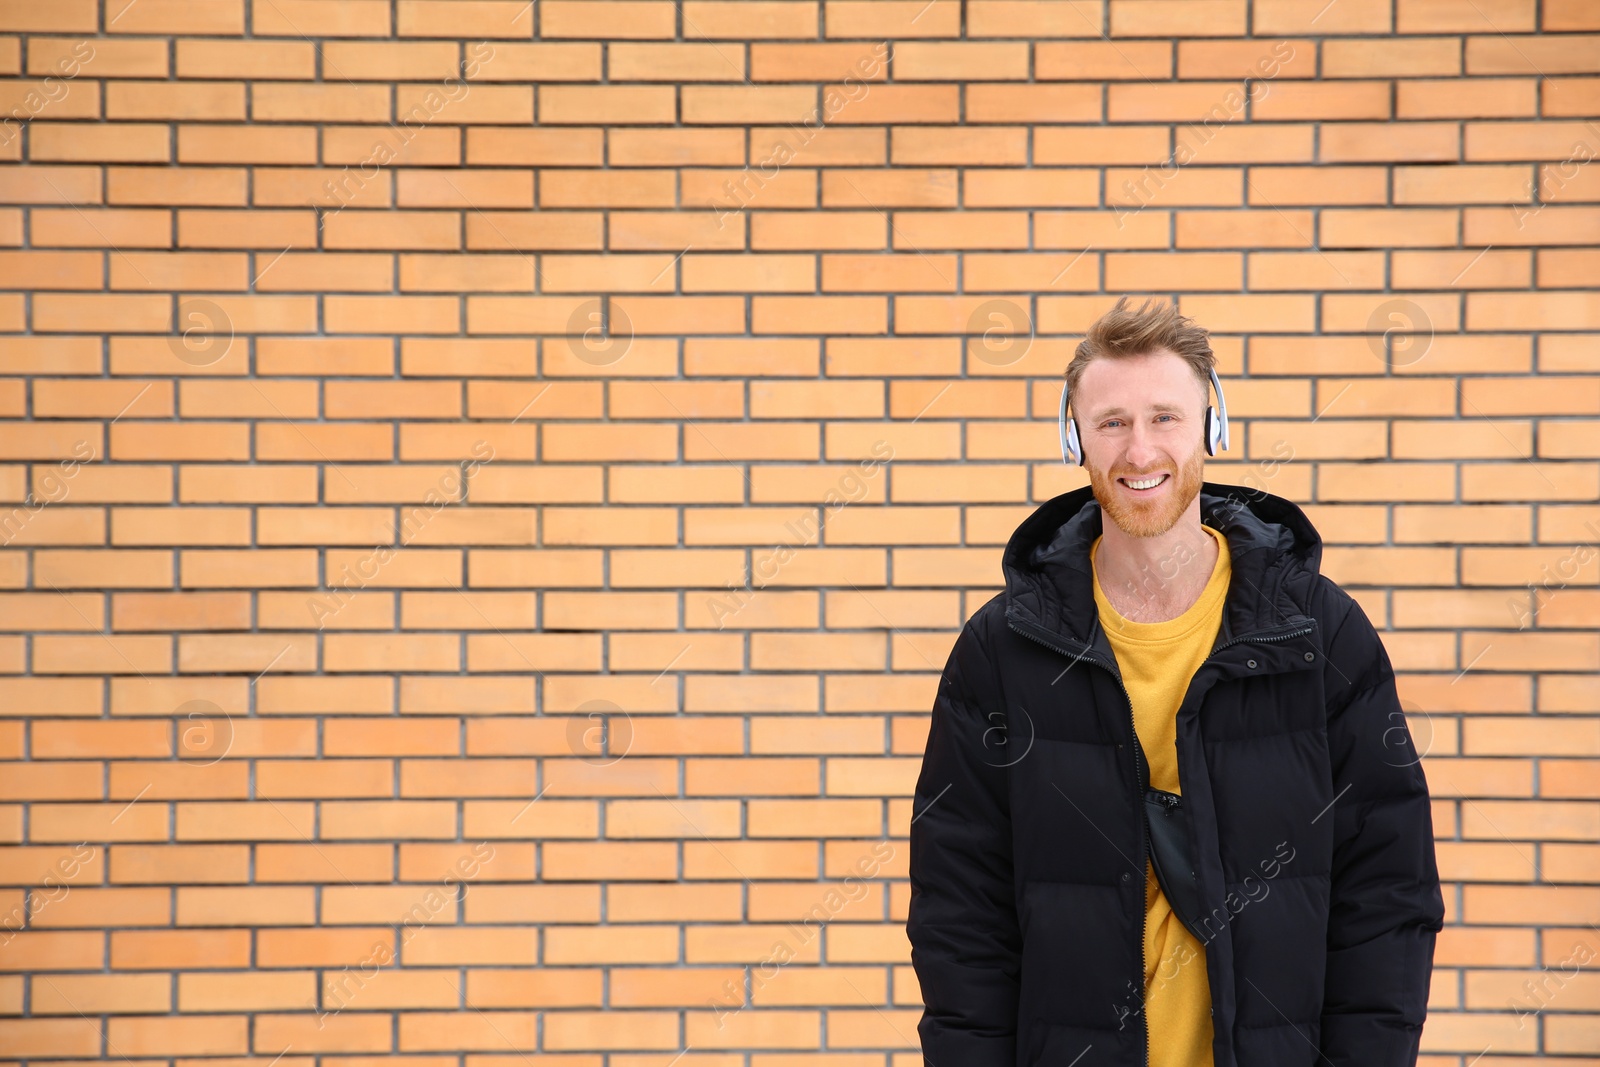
(1154, 579)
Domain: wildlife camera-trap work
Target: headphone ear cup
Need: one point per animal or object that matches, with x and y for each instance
(1073, 444)
(1213, 431)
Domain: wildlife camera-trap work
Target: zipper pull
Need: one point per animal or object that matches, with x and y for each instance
(1167, 800)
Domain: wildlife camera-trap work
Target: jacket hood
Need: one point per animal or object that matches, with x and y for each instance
(1273, 548)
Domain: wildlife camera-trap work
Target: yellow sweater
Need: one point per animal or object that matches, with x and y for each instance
(1157, 660)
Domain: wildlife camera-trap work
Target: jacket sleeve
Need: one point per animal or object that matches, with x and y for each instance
(1386, 906)
(962, 922)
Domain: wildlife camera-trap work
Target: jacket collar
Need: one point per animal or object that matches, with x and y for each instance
(1050, 583)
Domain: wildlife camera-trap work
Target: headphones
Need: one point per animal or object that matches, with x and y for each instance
(1216, 427)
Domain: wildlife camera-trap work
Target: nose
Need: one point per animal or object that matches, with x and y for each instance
(1141, 451)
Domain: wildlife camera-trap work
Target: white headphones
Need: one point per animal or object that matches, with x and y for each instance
(1216, 427)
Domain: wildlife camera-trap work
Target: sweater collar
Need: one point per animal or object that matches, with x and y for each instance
(1049, 581)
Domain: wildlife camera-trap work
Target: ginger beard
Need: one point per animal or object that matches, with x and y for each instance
(1138, 516)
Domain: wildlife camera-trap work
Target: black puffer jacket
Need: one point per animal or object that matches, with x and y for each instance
(1311, 824)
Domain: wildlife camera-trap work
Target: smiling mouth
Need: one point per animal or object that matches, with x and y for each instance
(1160, 480)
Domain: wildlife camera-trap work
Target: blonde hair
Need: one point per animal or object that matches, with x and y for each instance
(1124, 331)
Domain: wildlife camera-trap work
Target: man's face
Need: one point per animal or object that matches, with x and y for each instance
(1142, 418)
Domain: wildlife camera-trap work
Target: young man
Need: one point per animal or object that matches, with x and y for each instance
(1170, 813)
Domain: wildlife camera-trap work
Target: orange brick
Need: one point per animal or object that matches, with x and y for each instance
(701, 62)
(1536, 141)
(1463, 184)
(797, 61)
(1397, 142)
(474, 18)
(1568, 268)
(106, 227)
(1103, 60)
(1464, 16)
(1291, 101)
(1574, 97)
(1466, 98)
(50, 270)
(392, 314)
(1395, 57)
(1174, 271)
(373, 149)
(1263, 60)
(50, 185)
(1315, 270)
(109, 993)
(246, 144)
(320, 271)
(107, 57)
(120, 143)
(1438, 269)
(178, 270)
(354, 18)
(609, 104)
(393, 60)
(1531, 55)
(205, 228)
(102, 311)
(52, 98)
(864, 18)
(1187, 18)
(1569, 15)
(1299, 186)
(255, 60)
(176, 16)
(419, 188)
(1544, 311)
(190, 186)
(1397, 227)
(1244, 229)
(335, 102)
(333, 188)
(79, 16)
(1313, 16)
(1176, 101)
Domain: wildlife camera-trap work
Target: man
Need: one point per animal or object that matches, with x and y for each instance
(1185, 659)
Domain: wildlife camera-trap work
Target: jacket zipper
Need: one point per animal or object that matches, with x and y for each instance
(1264, 635)
(1144, 858)
(1138, 772)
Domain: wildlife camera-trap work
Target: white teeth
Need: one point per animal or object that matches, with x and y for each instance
(1148, 483)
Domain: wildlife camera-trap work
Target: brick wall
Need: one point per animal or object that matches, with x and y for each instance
(494, 483)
